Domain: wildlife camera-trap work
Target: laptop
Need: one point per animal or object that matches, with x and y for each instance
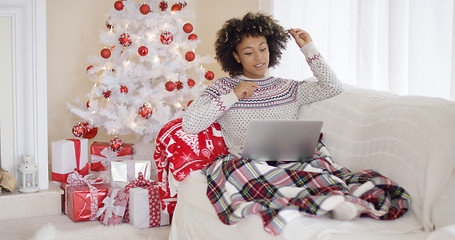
(281, 140)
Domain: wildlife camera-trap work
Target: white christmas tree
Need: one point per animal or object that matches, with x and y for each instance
(148, 71)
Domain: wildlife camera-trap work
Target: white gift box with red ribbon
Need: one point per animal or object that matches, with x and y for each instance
(68, 156)
(144, 209)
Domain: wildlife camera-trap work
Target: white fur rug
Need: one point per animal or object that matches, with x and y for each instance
(120, 232)
(61, 227)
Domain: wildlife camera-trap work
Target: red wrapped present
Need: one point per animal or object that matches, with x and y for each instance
(144, 209)
(83, 197)
(102, 155)
(114, 206)
(68, 156)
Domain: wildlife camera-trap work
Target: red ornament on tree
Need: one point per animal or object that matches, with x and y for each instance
(118, 5)
(125, 40)
(178, 85)
(166, 38)
(105, 53)
(176, 7)
(123, 89)
(90, 70)
(90, 131)
(143, 50)
(191, 82)
(145, 111)
(192, 36)
(209, 75)
(170, 86)
(189, 103)
(116, 144)
(163, 5)
(187, 27)
(189, 56)
(79, 130)
(88, 104)
(109, 25)
(107, 94)
(145, 9)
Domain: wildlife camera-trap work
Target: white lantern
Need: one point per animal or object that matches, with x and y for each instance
(28, 179)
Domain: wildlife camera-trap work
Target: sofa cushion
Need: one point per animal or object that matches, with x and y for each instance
(407, 138)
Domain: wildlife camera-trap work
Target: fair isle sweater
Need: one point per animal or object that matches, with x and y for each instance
(275, 99)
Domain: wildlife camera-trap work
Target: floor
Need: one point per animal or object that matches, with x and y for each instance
(27, 228)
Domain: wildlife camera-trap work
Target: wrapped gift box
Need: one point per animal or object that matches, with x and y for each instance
(128, 170)
(102, 155)
(82, 201)
(144, 209)
(67, 156)
(114, 206)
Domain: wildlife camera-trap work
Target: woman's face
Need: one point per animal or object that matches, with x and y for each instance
(253, 54)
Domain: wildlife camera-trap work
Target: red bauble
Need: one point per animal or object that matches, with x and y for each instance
(189, 103)
(166, 38)
(118, 5)
(90, 70)
(189, 56)
(107, 94)
(105, 53)
(116, 144)
(90, 131)
(187, 27)
(145, 9)
(191, 82)
(192, 36)
(178, 85)
(88, 104)
(143, 50)
(209, 75)
(123, 89)
(145, 111)
(79, 130)
(109, 25)
(163, 5)
(176, 7)
(125, 40)
(170, 86)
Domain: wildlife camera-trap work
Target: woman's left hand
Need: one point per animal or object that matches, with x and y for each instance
(300, 36)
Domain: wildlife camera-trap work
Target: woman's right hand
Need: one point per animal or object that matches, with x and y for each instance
(245, 89)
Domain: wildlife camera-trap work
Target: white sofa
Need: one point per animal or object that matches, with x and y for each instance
(410, 139)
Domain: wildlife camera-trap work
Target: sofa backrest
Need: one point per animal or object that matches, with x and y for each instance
(409, 139)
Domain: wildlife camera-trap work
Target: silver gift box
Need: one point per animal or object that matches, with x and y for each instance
(128, 170)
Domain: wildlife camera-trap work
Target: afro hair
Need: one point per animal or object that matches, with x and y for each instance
(252, 24)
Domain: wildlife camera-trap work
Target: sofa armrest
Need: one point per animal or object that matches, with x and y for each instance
(409, 139)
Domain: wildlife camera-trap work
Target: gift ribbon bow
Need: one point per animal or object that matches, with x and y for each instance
(109, 208)
(107, 155)
(140, 182)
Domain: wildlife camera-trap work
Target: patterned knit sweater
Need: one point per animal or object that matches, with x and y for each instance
(275, 99)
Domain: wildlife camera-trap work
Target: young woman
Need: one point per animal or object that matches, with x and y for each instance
(246, 48)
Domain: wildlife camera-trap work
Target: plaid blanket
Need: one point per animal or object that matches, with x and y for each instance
(178, 153)
(240, 187)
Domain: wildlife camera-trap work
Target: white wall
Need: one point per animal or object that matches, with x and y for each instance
(6, 97)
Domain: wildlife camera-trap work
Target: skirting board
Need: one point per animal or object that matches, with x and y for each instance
(23, 205)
